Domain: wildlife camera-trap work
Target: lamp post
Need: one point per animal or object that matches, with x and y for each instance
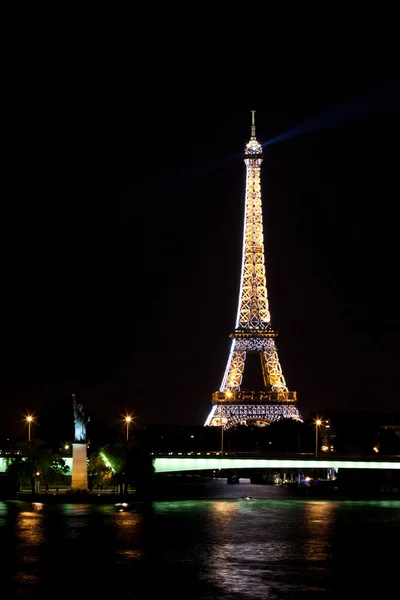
(128, 421)
(317, 424)
(228, 396)
(223, 422)
(29, 420)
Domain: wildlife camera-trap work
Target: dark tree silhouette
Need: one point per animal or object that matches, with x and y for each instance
(34, 463)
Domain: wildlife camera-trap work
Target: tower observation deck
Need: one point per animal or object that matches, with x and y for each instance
(253, 333)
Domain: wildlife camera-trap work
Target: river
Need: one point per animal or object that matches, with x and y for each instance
(227, 548)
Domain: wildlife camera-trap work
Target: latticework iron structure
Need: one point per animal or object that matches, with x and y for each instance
(253, 332)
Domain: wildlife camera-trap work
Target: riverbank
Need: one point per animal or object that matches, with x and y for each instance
(171, 489)
(65, 498)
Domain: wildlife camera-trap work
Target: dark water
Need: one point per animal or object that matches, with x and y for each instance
(201, 549)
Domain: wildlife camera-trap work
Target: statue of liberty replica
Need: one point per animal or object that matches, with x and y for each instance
(80, 421)
(79, 479)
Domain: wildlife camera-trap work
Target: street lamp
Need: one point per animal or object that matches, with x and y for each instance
(29, 420)
(223, 422)
(128, 421)
(317, 424)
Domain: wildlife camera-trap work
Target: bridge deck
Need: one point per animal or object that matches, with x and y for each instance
(176, 463)
(209, 461)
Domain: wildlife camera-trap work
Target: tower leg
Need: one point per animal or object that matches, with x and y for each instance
(272, 370)
(234, 369)
(79, 480)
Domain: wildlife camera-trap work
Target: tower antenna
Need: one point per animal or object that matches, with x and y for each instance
(253, 124)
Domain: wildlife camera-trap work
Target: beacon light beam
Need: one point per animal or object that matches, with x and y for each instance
(385, 98)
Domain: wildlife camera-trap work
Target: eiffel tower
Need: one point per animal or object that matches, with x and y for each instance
(253, 332)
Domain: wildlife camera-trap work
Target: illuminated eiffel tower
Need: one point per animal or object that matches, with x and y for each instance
(253, 333)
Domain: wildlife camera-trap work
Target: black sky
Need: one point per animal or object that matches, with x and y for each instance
(122, 197)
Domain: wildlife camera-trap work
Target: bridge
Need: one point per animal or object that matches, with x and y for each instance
(213, 461)
(179, 462)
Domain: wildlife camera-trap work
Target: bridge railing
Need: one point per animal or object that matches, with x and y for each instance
(278, 455)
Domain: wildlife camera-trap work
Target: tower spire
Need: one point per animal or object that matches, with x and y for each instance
(253, 125)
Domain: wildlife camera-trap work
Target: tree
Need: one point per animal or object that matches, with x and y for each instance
(139, 469)
(34, 463)
(99, 472)
(132, 465)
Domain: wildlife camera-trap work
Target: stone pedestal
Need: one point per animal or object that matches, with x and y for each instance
(79, 479)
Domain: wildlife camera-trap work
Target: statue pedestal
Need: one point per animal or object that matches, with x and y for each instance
(79, 479)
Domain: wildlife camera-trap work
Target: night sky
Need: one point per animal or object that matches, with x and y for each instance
(122, 186)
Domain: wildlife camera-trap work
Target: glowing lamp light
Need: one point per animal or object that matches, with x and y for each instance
(29, 420)
(128, 420)
(318, 422)
(106, 461)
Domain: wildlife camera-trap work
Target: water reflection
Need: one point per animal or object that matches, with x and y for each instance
(262, 554)
(129, 534)
(225, 508)
(199, 550)
(29, 538)
(318, 522)
(75, 509)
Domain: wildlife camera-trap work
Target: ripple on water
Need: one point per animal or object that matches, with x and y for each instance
(201, 549)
